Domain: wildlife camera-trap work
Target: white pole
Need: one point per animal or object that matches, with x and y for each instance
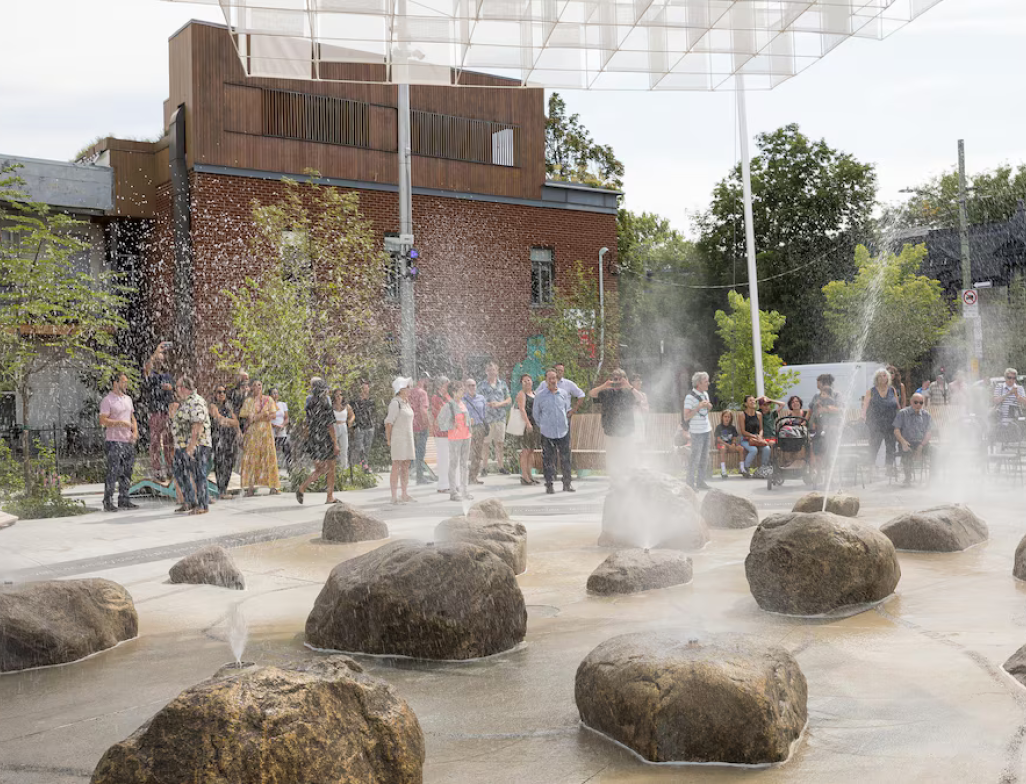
(602, 314)
(753, 278)
(407, 313)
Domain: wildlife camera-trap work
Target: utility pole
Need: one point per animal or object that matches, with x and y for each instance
(753, 275)
(408, 328)
(969, 313)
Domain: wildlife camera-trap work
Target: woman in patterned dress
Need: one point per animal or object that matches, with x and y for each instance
(259, 460)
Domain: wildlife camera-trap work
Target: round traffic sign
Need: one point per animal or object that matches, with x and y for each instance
(969, 296)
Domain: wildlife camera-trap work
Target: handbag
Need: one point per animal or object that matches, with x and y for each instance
(515, 424)
(446, 420)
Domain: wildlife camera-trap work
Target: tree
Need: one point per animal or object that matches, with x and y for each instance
(571, 327)
(316, 308)
(993, 196)
(647, 238)
(811, 205)
(889, 311)
(50, 313)
(736, 378)
(572, 155)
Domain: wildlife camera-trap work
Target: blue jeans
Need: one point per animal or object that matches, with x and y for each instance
(191, 476)
(753, 451)
(420, 438)
(362, 440)
(699, 458)
(120, 461)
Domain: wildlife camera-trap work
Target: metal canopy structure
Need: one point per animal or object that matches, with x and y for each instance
(562, 44)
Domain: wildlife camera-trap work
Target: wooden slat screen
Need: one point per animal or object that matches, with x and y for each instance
(463, 139)
(316, 118)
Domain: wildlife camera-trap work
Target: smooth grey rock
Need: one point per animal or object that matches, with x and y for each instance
(211, 565)
(631, 571)
(1019, 564)
(501, 536)
(725, 510)
(653, 510)
(810, 564)
(451, 600)
(59, 621)
(671, 699)
(1016, 665)
(320, 722)
(492, 508)
(344, 523)
(941, 529)
(840, 504)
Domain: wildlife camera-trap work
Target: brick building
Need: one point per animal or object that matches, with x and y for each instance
(492, 233)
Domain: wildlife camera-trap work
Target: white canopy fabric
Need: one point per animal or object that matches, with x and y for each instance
(572, 44)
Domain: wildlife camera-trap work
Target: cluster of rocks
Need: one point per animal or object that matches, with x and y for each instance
(487, 525)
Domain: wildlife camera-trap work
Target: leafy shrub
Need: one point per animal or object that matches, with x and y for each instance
(44, 504)
(362, 480)
(12, 478)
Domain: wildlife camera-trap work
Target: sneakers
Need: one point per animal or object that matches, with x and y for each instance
(454, 496)
(549, 490)
(723, 473)
(468, 497)
(127, 505)
(568, 489)
(109, 507)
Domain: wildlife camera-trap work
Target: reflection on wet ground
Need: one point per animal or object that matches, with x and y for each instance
(910, 691)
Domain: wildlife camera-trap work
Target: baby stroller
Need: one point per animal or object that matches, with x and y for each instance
(793, 456)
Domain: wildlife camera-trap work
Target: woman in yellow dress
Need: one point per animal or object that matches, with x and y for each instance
(259, 460)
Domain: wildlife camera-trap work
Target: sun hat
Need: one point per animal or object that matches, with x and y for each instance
(400, 382)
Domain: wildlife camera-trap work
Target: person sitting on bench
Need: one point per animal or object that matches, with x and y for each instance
(912, 429)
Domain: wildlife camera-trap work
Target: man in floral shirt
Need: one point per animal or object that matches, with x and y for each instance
(496, 394)
(191, 424)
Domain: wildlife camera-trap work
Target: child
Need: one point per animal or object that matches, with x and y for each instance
(726, 440)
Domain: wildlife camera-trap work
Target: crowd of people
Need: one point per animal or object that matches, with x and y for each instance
(243, 429)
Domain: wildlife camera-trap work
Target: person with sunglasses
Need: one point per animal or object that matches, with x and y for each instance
(1010, 395)
(225, 434)
(912, 429)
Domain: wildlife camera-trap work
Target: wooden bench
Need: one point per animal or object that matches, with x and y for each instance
(588, 441)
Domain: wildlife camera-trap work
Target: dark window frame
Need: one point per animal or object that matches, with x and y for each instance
(543, 277)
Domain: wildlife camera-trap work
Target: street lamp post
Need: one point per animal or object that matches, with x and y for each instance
(602, 313)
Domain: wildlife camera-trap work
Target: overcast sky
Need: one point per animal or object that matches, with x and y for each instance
(72, 70)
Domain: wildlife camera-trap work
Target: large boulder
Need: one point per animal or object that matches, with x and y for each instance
(631, 571)
(492, 508)
(653, 510)
(1016, 665)
(811, 564)
(59, 621)
(941, 529)
(211, 565)
(501, 536)
(320, 722)
(453, 600)
(672, 699)
(344, 523)
(725, 510)
(839, 504)
(1019, 565)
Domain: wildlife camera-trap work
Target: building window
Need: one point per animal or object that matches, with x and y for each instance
(315, 118)
(462, 139)
(543, 273)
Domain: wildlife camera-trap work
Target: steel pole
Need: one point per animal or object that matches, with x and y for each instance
(408, 326)
(753, 278)
(602, 314)
(974, 326)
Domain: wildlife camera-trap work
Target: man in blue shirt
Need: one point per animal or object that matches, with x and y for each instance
(496, 394)
(477, 410)
(551, 410)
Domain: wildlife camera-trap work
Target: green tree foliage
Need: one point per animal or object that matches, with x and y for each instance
(736, 377)
(571, 154)
(646, 238)
(571, 326)
(50, 313)
(811, 205)
(315, 309)
(897, 313)
(993, 196)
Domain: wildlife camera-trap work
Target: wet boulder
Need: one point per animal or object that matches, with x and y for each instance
(948, 528)
(452, 600)
(838, 504)
(1016, 665)
(675, 699)
(501, 536)
(725, 510)
(320, 722)
(344, 523)
(59, 621)
(654, 510)
(631, 571)
(492, 508)
(811, 564)
(211, 565)
(1019, 563)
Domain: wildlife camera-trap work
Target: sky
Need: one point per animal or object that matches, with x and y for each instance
(74, 70)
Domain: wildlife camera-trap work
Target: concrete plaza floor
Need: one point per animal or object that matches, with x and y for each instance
(911, 691)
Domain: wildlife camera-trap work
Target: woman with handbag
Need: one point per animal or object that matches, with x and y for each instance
(751, 437)
(521, 423)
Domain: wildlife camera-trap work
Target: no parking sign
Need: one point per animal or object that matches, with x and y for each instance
(970, 306)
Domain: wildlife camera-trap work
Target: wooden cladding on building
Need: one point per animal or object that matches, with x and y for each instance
(464, 139)
(315, 118)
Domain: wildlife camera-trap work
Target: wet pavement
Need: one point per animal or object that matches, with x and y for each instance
(910, 691)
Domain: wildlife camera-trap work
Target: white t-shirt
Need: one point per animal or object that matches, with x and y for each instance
(279, 418)
(699, 423)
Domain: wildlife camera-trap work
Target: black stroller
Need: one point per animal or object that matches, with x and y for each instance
(793, 454)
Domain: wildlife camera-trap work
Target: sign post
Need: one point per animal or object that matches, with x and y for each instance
(971, 313)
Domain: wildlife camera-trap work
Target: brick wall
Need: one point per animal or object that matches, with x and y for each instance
(475, 272)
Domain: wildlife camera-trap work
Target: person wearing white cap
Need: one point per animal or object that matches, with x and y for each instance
(399, 434)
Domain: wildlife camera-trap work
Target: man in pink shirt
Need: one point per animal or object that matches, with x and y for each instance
(418, 397)
(117, 416)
